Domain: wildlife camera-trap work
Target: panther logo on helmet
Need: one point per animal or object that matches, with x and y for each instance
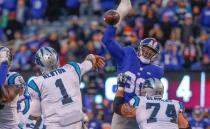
(47, 59)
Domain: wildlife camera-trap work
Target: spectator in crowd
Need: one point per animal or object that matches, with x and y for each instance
(206, 54)
(9, 5)
(18, 41)
(166, 26)
(157, 33)
(34, 43)
(53, 41)
(196, 120)
(54, 9)
(93, 122)
(22, 11)
(139, 28)
(196, 15)
(149, 21)
(171, 57)
(205, 17)
(202, 39)
(191, 53)
(38, 9)
(189, 29)
(12, 26)
(22, 59)
(107, 110)
(73, 7)
(182, 9)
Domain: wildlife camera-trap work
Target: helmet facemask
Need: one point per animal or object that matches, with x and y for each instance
(147, 54)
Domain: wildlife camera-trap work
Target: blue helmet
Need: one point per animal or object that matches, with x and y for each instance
(148, 50)
(46, 58)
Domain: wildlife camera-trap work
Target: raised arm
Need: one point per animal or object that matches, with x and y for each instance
(119, 106)
(3, 73)
(91, 62)
(111, 44)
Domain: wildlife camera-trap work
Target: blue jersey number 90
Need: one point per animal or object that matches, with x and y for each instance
(134, 83)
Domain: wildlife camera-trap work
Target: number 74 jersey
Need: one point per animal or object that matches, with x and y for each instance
(156, 113)
(57, 95)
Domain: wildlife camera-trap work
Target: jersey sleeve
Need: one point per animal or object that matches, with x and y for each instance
(135, 101)
(158, 72)
(3, 73)
(34, 91)
(82, 68)
(113, 46)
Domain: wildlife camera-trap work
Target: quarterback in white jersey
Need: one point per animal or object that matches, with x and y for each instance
(150, 110)
(56, 93)
(9, 94)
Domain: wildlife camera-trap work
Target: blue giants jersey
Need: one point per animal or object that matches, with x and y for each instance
(203, 124)
(128, 62)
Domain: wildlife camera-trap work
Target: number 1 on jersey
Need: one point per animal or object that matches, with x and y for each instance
(66, 98)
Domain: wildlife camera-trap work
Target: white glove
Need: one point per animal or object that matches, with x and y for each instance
(123, 9)
(5, 55)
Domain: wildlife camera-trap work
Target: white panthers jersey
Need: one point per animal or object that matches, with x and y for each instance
(8, 112)
(57, 95)
(155, 113)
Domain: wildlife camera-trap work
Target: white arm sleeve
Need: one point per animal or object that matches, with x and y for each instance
(35, 110)
(85, 66)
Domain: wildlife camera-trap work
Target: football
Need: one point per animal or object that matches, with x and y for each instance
(112, 17)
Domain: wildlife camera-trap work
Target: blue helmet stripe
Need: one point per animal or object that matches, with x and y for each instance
(27, 106)
(77, 68)
(48, 50)
(34, 86)
(137, 101)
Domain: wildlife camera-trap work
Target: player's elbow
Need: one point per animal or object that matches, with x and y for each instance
(117, 104)
(183, 122)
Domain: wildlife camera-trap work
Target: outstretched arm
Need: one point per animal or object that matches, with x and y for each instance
(112, 45)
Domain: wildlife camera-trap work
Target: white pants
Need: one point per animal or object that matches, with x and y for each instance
(119, 122)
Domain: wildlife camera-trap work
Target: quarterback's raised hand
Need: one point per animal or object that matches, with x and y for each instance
(98, 61)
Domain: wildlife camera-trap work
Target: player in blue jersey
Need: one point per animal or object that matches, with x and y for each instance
(4, 60)
(12, 87)
(197, 120)
(138, 65)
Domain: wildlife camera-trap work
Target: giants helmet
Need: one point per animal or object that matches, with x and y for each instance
(148, 50)
(47, 59)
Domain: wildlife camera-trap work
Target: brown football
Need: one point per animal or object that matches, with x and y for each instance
(112, 17)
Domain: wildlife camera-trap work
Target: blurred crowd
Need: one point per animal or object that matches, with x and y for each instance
(75, 28)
